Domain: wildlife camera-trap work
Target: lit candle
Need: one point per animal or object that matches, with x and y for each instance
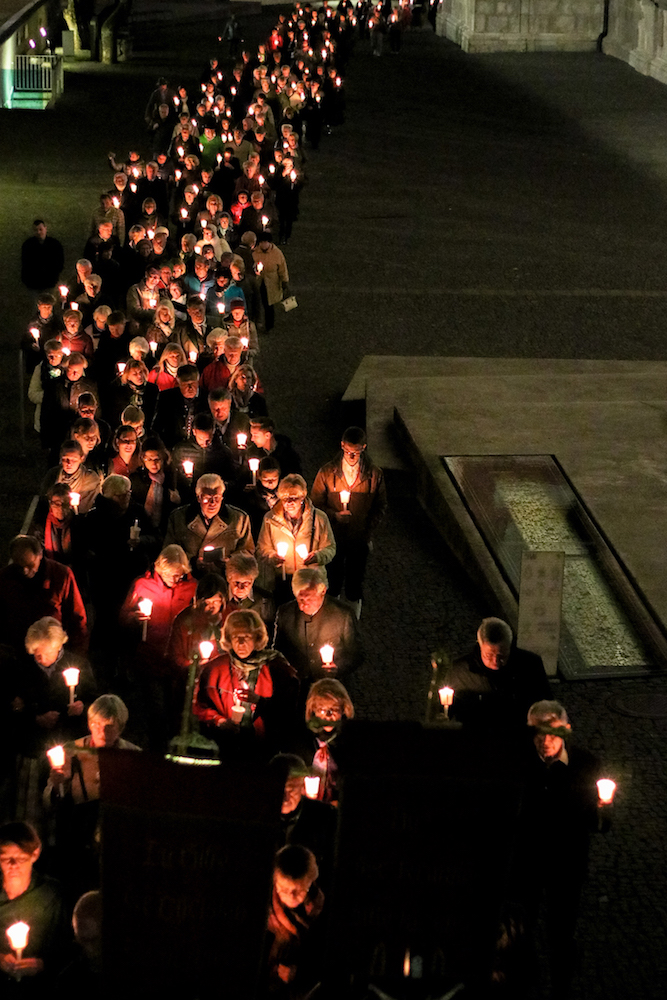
(188, 467)
(281, 549)
(265, 221)
(35, 332)
(202, 296)
(64, 291)
(135, 171)
(345, 498)
(67, 351)
(74, 305)
(606, 791)
(146, 608)
(152, 302)
(153, 346)
(195, 189)
(206, 649)
(302, 551)
(133, 188)
(261, 180)
(406, 963)
(115, 202)
(233, 90)
(446, 695)
(178, 174)
(192, 355)
(71, 677)
(245, 343)
(272, 168)
(241, 440)
(253, 464)
(221, 307)
(292, 174)
(208, 552)
(260, 267)
(327, 654)
(219, 157)
(180, 150)
(56, 757)
(150, 233)
(312, 786)
(18, 937)
(121, 367)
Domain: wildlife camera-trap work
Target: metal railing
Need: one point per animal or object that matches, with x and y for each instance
(42, 74)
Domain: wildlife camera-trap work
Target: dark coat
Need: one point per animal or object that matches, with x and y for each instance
(497, 697)
(52, 592)
(300, 637)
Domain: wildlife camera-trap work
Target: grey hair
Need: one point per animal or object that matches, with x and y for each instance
(494, 631)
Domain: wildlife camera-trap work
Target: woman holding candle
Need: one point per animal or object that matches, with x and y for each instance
(163, 375)
(245, 398)
(52, 524)
(73, 474)
(132, 388)
(248, 691)
(294, 521)
(33, 899)
(328, 706)
(50, 712)
(126, 453)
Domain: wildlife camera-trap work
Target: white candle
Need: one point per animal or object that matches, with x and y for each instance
(74, 305)
(327, 654)
(446, 695)
(18, 937)
(345, 498)
(192, 356)
(245, 343)
(115, 202)
(71, 676)
(56, 757)
(35, 332)
(265, 221)
(153, 346)
(133, 188)
(64, 291)
(281, 549)
(150, 233)
(302, 551)
(221, 307)
(206, 649)
(75, 500)
(146, 608)
(184, 213)
(312, 786)
(260, 267)
(121, 367)
(253, 465)
(606, 791)
(241, 440)
(188, 467)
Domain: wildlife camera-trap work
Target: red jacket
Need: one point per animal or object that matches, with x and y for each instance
(167, 603)
(215, 695)
(51, 592)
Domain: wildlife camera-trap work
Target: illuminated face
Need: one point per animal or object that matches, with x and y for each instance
(45, 309)
(45, 652)
(153, 461)
(71, 462)
(28, 562)
(352, 452)
(127, 445)
(203, 438)
(233, 355)
(170, 575)
(54, 358)
(72, 324)
(15, 863)
(105, 230)
(104, 732)
(494, 655)
(239, 586)
(137, 376)
(327, 710)
(269, 479)
(310, 600)
(210, 501)
(59, 507)
(212, 605)
(220, 408)
(260, 437)
(549, 746)
(292, 795)
(292, 892)
(243, 644)
(238, 313)
(188, 387)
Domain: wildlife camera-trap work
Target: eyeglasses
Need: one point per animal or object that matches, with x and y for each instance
(292, 499)
(328, 713)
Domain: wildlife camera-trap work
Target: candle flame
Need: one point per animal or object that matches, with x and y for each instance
(146, 607)
(606, 790)
(56, 757)
(281, 549)
(71, 676)
(18, 935)
(327, 653)
(206, 649)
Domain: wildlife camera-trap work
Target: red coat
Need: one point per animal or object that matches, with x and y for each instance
(215, 695)
(168, 602)
(52, 591)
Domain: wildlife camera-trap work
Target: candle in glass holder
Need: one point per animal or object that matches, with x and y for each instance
(64, 291)
(75, 500)
(253, 465)
(56, 757)
(146, 609)
(302, 551)
(265, 221)
(71, 676)
(272, 168)
(446, 695)
(153, 346)
(245, 343)
(241, 440)
(121, 367)
(606, 791)
(312, 786)
(35, 332)
(192, 355)
(188, 467)
(150, 233)
(180, 151)
(18, 937)
(327, 654)
(281, 549)
(221, 307)
(133, 188)
(74, 305)
(345, 498)
(184, 212)
(206, 649)
(152, 302)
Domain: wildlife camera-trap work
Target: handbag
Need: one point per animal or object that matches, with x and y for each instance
(289, 303)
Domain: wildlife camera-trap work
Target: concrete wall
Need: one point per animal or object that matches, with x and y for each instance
(521, 25)
(638, 36)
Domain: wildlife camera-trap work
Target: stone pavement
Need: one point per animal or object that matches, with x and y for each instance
(490, 206)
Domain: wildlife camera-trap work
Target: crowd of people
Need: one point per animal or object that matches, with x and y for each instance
(176, 563)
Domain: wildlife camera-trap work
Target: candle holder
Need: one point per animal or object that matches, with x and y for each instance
(71, 677)
(281, 549)
(146, 609)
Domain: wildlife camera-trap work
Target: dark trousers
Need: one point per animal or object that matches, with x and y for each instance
(348, 568)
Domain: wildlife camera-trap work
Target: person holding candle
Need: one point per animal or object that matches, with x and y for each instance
(153, 484)
(243, 385)
(60, 400)
(206, 455)
(217, 374)
(294, 521)
(201, 621)
(48, 326)
(265, 441)
(163, 375)
(260, 498)
(74, 475)
(132, 388)
(191, 334)
(496, 683)
(52, 524)
(560, 803)
(248, 692)
(209, 530)
(297, 901)
(311, 622)
(50, 713)
(274, 276)
(352, 492)
(177, 407)
(241, 571)
(29, 897)
(86, 431)
(328, 706)
(142, 300)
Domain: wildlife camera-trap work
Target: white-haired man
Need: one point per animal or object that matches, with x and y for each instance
(208, 530)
